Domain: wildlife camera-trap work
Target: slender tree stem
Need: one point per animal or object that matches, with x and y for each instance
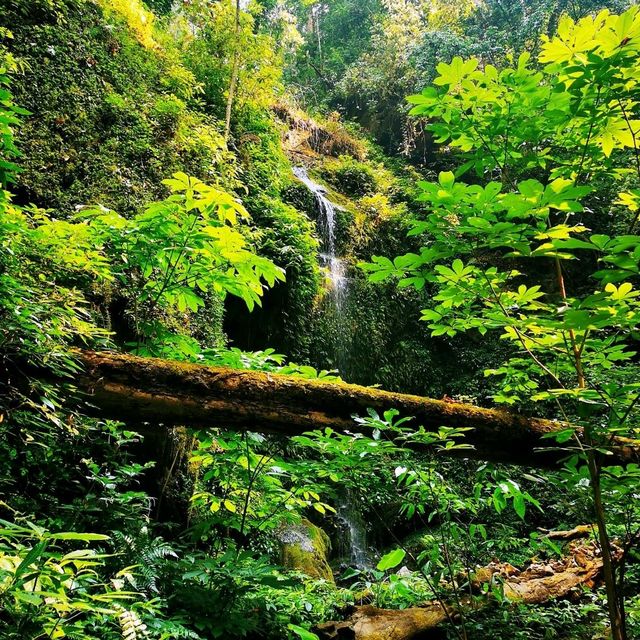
(235, 69)
(614, 596)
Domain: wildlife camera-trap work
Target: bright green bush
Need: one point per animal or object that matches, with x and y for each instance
(350, 177)
(109, 117)
(167, 113)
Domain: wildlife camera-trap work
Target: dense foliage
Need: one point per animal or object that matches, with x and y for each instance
(484, 248)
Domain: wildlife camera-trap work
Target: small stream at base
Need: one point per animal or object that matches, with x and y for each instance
(353, 529)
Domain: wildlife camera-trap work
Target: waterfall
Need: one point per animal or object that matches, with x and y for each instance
(327, 229)
(354, 548)
(352, 544)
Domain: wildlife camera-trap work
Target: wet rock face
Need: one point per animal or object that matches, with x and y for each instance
(304, 548)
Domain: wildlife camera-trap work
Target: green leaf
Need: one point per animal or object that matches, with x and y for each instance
(391, 559)
(28, 597)
(452, 74)
(302, 633)
(349, 573)
(84, 537)
(519, 505)
(446, 179)
(33, 554)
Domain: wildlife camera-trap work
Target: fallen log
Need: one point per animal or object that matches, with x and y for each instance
(537, 584)
(161, 392)
(543, 581)
(371, 623)
(581, 531)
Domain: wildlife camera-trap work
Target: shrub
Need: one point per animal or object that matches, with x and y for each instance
(167, 112)
(351, 177)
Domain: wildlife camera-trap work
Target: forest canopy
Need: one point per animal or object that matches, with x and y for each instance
(319, 319)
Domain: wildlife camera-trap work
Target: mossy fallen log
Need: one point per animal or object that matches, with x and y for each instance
(152, 392)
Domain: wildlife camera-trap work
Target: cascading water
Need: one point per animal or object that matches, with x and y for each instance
(327, 228)
(354, 532)
(352, 545)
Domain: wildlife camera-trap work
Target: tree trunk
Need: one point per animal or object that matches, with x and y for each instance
(161, 392)
(170, 482)
(235, 70)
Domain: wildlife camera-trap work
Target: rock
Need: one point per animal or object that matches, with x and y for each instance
(304, 548)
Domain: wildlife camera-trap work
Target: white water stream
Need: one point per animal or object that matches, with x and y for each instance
(354, 530)
(354, 549)
(327, 229)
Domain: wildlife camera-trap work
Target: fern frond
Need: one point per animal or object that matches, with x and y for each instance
(131, 627)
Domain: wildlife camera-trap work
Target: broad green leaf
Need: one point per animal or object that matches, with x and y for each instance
(84, 537)
(302, 633)
(391, 559)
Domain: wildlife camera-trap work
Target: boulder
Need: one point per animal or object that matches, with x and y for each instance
(305, 548)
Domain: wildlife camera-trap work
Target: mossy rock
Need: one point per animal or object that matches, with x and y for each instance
(305, 548)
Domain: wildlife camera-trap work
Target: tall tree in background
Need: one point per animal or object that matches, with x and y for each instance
(233, 59)
(334, 35)
(376, 52)
(234, 72)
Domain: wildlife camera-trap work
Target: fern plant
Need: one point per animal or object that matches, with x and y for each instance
(147, 557)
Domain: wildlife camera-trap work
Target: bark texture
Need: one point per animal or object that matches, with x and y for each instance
(160, 392)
